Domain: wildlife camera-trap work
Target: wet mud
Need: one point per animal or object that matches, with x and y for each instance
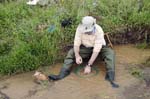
(22, 86)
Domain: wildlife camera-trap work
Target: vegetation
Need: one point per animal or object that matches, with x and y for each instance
(32, 36)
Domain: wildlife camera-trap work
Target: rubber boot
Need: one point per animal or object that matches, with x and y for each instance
(63, 73)
(110, 76)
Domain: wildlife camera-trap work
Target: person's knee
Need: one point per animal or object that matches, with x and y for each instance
(110, 52)
(70, 53)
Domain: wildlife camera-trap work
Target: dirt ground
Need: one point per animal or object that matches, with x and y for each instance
(22, 86)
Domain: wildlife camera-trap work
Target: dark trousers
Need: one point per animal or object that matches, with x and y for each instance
(106, 53)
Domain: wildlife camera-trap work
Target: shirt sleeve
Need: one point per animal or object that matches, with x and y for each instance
(99, 40)
(77, 39)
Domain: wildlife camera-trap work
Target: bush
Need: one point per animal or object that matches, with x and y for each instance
(19, 60)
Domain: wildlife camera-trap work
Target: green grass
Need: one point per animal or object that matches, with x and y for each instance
(25, 38)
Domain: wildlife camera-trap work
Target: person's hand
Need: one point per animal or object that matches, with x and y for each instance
(87, 69)
(79, 60)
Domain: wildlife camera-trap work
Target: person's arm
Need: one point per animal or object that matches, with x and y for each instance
(96, 50)
(87, 69)
(93, 58)
(77, 43)
(97, 46)
(76, 51)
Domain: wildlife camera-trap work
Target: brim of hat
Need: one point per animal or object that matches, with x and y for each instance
(87, 30)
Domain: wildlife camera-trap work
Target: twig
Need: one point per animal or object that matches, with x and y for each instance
(108, 38)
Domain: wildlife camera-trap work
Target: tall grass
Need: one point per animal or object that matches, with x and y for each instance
(31, 36)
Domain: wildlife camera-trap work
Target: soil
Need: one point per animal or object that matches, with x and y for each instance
(134, 36)
(22, 86)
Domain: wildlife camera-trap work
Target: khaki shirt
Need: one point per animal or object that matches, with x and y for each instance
(95, 40)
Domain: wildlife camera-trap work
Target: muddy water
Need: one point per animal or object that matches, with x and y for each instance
(22, 86)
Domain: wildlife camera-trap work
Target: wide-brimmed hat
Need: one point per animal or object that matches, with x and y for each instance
(88, 24)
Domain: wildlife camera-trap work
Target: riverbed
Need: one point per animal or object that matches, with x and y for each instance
(22, 86)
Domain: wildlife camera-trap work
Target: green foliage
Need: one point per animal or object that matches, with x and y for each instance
(26, 42)
(18, 60)
(141, 45)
